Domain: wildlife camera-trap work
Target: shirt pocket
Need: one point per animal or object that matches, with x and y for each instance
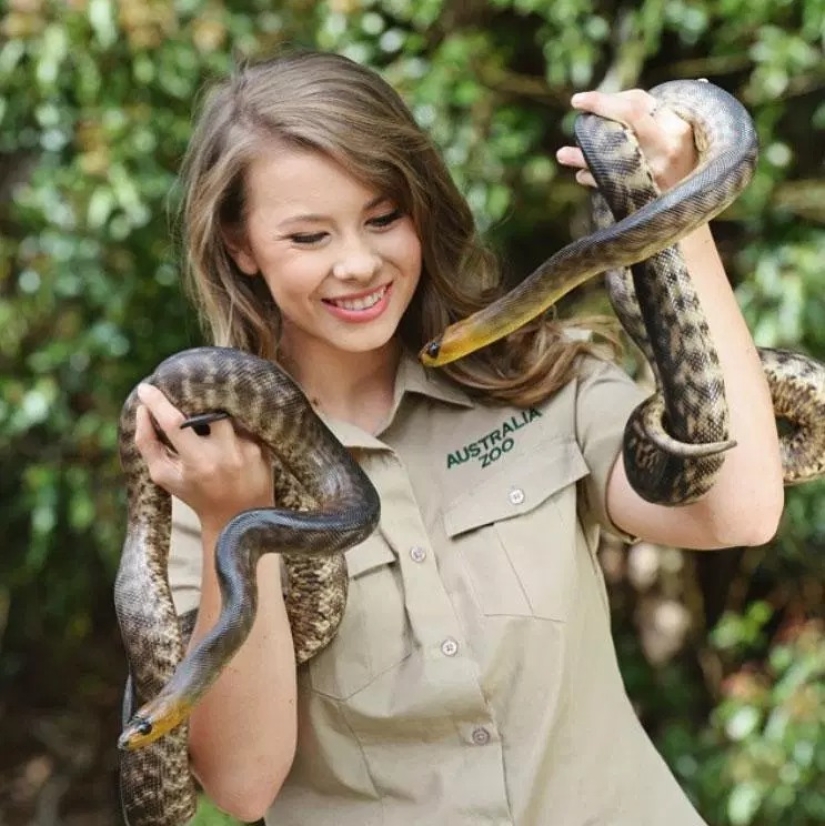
(516, 534)
(374, 635)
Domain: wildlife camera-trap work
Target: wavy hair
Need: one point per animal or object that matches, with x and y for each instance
(329, 104)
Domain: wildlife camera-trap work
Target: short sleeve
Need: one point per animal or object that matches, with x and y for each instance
(605, 398)
(185, 558)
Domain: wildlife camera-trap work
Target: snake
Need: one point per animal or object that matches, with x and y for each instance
(674, 442)
(326, 504)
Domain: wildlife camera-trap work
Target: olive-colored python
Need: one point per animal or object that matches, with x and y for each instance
(674, 441)
(326, 504)
(331, 504)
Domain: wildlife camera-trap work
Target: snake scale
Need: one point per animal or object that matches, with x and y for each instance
(673, 444)
(326, 504)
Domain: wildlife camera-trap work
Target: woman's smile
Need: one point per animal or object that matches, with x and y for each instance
(360, 307)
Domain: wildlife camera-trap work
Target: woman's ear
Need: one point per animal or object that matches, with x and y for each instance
(238, 248)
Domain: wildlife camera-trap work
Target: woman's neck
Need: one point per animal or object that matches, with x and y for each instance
(352, 387)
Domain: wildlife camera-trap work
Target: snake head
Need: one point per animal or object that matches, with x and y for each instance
(429, 355)
(154, 720)
(136, 734)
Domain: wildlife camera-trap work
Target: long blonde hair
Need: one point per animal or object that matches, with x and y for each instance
(332, 105)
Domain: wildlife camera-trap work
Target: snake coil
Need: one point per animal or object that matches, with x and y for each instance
(327, 504)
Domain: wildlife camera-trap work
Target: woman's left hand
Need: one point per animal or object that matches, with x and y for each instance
(665, 139)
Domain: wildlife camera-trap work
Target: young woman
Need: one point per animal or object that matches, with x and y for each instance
(473, 680)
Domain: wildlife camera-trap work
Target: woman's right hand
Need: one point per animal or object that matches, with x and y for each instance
(218, 475)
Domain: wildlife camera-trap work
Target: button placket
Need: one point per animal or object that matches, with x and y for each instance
(429, 609)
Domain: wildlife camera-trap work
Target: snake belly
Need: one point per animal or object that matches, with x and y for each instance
(329, 505)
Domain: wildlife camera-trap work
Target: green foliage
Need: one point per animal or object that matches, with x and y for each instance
(766, 743)
(95, 110)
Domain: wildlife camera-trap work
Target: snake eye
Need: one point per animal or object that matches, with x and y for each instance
(143, 727)
(433, 349)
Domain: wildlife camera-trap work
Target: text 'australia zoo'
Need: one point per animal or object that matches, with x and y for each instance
(495, 444)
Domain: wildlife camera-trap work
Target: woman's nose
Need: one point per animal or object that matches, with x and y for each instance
(356, 260)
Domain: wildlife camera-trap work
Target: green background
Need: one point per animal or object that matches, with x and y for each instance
(723, 653)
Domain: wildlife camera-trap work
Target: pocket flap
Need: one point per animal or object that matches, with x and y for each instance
(513, 491)
(371, 553)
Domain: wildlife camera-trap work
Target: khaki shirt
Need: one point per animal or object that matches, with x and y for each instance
(473, 679)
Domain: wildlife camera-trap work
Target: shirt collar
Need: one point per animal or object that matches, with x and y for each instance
(411, 378)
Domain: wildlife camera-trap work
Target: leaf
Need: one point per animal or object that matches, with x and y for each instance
(743, 722)
(744, 803)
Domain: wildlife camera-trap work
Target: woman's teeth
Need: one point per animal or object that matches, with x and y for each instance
(363, 303)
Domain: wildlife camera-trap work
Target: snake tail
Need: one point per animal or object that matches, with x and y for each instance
(664, 470)
(707, 191)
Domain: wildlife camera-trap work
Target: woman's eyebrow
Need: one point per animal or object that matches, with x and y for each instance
(309, 217)
(315, 217)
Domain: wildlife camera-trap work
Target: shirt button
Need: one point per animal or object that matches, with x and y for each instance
(449, 648)
(481, 736)
(417, 553)
(516, 496)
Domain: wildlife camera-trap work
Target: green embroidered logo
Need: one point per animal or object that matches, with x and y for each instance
(494, 444)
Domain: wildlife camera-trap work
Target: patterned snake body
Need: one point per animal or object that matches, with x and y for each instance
(797, 385)
(674, 441)
(724, 169)
(326, 504)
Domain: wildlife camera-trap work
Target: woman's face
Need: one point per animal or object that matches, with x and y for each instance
(342, 261)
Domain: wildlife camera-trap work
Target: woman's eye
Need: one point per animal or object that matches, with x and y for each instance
(386, 219)
(307, 237)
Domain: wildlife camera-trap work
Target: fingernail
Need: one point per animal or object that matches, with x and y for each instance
(142, 390)
(577, 99)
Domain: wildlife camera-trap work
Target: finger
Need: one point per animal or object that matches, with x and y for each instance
(146, 439)
(633, 108)
(574, 158)
(571, 156)
(584, 177)
(168, 417)
(171, 421)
